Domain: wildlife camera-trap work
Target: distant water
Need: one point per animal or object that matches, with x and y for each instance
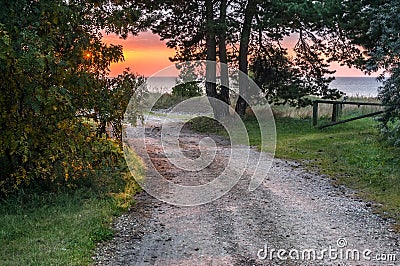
(352, 86)
(161, 84)
(357, 86)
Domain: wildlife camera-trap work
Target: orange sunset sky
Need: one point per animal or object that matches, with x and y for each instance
(145, 54)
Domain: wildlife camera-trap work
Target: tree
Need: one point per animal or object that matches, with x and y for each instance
(54, 76)
(223, 57)
(211, 55)
(196, 31)
(383, 47)
(374, 26)
(249, 13)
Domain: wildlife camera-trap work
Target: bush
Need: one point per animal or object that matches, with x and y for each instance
(187, 90)
(390, 121)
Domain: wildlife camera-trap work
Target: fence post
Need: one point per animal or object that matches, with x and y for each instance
(335, 112)
(315, 113)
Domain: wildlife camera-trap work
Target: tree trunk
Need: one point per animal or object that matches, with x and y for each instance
(241, 104)
(224, 94)
(211, 68)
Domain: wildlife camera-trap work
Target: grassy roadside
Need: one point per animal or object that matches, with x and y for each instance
(62, 228)
(350, 154)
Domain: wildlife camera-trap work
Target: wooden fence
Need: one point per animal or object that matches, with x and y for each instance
(337, 107)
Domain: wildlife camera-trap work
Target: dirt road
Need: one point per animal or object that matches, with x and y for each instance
(293, 218)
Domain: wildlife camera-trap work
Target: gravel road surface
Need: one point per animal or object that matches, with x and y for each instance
(295, 217)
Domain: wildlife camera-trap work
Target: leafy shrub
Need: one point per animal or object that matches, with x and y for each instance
(390, 121)
(187, 90)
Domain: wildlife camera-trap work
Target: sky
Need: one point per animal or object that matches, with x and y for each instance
(145, 54)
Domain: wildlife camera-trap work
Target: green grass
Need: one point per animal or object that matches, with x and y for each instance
(61, 228)
(350, 153)
(166, 100)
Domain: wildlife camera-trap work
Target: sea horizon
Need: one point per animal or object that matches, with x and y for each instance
(367, 86)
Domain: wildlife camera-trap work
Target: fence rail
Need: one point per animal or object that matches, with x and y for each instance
(337, 107)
